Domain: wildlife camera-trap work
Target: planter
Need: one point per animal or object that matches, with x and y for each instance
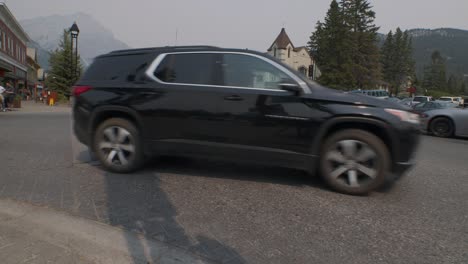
(17, 103)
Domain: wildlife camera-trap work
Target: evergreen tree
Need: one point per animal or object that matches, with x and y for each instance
(329, 46)
(387, 57)
(60, 77)
(435, 74)
(397, 60)
(452, 84)
(359, 22)
(463, 88)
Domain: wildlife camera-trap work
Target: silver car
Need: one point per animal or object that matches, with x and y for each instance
(446, 122)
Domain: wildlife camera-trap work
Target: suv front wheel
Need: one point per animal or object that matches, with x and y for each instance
(118, 146)
(354, 161)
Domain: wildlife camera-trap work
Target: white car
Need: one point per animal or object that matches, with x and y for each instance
(416, 100)
(455, 100)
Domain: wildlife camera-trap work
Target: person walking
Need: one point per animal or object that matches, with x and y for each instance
(2, 99)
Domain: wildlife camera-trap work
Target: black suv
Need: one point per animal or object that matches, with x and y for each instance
(238, 105)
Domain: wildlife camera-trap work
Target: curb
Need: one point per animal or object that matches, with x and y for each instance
(93, 241)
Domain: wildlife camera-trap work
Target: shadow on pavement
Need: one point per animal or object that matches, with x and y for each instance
(140, 205)
(235, 171)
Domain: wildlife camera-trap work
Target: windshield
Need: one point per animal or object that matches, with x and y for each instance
(445, 99)
(420, 99)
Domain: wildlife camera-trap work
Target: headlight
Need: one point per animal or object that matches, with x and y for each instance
(404, 116)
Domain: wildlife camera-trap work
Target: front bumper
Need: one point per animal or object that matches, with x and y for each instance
(401, 167)
(424, 125)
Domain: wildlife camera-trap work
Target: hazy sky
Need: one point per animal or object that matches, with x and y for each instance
(249, 24)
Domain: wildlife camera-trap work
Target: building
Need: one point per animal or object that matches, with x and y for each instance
(35, 73)
(13, 39)
(297, 58)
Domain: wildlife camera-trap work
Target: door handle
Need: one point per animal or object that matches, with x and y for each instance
(233, 98)
(146, 94)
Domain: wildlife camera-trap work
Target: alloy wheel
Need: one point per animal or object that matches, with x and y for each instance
(353, 163)
(117, 145)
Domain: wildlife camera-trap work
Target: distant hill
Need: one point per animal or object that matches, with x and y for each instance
(94, 39)
(452, 43)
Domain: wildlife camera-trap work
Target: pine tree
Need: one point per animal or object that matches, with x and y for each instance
(463, 88)
(328, 44)
(452, 84)
(435, 74)
(397, 60)
(359, 21)
(387, 57)
(60, 77)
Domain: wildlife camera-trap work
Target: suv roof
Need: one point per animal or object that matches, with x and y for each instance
(179, 49)
(155, 49)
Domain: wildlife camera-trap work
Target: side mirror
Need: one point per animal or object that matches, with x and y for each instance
(291, 87)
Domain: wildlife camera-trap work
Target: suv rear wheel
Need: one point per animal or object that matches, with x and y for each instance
(354, 161)
(118, 146)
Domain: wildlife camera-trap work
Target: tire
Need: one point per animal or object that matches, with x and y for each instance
(355, 162)
(117, 145)
(442, 127)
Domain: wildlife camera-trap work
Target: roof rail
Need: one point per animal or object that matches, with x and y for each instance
(165, 47)
(131, 50)
(195, 47)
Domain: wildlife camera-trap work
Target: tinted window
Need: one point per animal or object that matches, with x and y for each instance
(118, 68)
(420, 99)
(247, 71)
(420, 106)
(430, 105)
(187, 68)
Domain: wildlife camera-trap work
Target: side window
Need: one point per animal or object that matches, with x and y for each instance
(196, 68)
(247, 71)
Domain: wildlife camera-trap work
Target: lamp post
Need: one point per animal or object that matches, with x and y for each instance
(74, 32)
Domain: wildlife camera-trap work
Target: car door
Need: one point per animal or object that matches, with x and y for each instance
(179, 106)
(258, 115)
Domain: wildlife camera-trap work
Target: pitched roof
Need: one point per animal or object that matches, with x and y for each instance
(282, 40)
(300, 48)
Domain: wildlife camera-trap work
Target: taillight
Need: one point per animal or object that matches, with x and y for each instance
(79, 89)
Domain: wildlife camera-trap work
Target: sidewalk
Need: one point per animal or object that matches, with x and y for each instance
(30, 234)
(40, 107)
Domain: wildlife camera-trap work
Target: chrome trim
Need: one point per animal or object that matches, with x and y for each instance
(154, 65)
(229, 145)
(287, 117)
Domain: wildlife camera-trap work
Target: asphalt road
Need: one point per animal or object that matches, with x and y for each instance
(237, 213)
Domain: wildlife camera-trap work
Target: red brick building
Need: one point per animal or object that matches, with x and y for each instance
(13, 58)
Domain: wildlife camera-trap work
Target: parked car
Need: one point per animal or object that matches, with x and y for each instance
(446, 122)
(412, 101)
(382, 94)
(238, 105)
(423, 107)
(455, 100)
(393, 99)
(406, 101)
(421, 99)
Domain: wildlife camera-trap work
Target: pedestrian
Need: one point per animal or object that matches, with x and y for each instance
(2, 99)
(8, 95)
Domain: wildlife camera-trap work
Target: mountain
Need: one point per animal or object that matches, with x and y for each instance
(94, 39)
(452, 44)
(43, 55)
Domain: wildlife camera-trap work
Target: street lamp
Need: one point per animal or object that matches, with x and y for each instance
(74, 32)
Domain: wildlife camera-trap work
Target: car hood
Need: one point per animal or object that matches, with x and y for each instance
(332, 95)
